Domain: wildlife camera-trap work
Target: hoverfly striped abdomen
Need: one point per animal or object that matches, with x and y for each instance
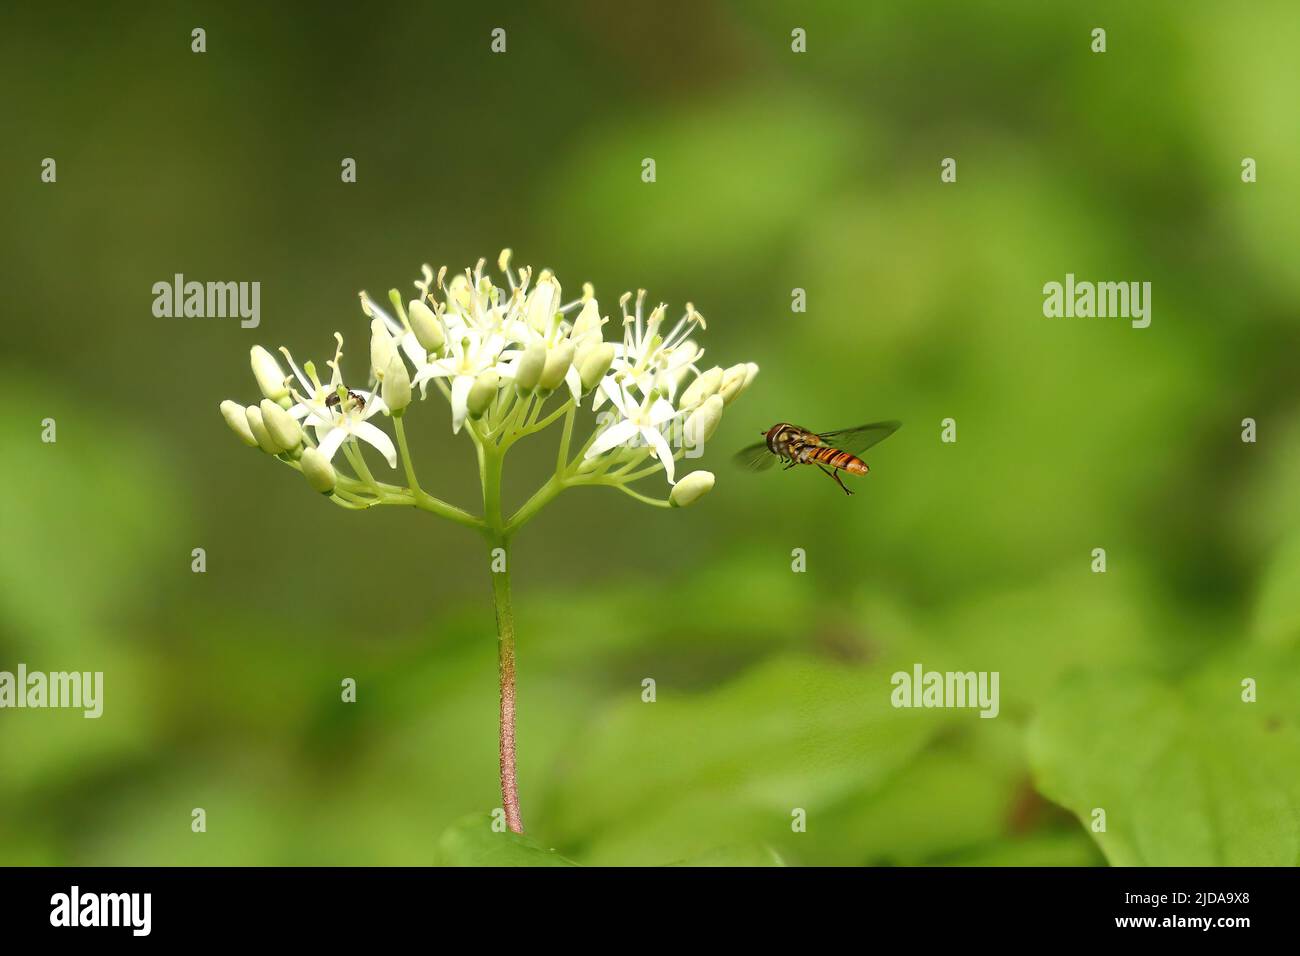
(835, 458)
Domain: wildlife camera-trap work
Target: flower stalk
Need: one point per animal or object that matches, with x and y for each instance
(506, 748)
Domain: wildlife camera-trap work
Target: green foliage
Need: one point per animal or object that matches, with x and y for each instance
(1188, 774)
(1277, 614)
(472, 842)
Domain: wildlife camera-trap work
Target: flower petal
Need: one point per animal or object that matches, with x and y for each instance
(573, 378)
(616, 435)
(379, 439)
(460, 387)
(414, 350)
(374, 404)
(660, 445)
(661, 411)
(438, 369)
(620, 398)
(329, 445)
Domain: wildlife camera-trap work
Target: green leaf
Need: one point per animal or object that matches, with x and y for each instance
(1277, 609)
(661, 782)
(751, 854)
(473, 842)
(955, 796)
(1188, 775)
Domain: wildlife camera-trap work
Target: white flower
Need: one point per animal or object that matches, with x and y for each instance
(468, 354)
(473, 302)
(642, 420)
(553, 353)
(405, 337)
(543, 303)
(314, 405)
(534, 320)
(337, 420)
(647, 360)
(351, 423)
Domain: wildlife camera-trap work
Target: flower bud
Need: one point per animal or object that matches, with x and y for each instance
(691, 489)
(381, 348)
(705, 384)
(543, 302)
(528, 370)
(264, 439)
(734, 381)
(269, 375)
(236, 418)
(425, 325)
(282, 427)
(588, 323)
(595, 363)
(319, 473)
(558, 359)
(482, 392)
(459, 292)
(703, 422)
(395, 297)
(396, 385)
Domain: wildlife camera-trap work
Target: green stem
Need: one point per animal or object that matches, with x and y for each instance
(541, 497)
(657, 502)
(406, 455)
(549, 420)
(566, 436)
(658, 466)
(358, 460)
(422, 499)
(506, 432)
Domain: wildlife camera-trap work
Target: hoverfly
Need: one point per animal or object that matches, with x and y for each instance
(832, 452)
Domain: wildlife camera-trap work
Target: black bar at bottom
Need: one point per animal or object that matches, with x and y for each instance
(336, 905)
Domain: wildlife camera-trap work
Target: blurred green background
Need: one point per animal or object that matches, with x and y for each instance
(775, 171)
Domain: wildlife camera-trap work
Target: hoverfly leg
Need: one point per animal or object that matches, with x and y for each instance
(789, 464)
(836, 475)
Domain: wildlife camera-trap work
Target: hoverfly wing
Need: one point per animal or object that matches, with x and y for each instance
(755, 458)
(855, 441)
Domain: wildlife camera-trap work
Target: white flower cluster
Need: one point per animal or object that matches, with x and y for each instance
(498, 355)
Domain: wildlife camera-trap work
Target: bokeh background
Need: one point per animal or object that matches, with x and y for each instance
(775, 170)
